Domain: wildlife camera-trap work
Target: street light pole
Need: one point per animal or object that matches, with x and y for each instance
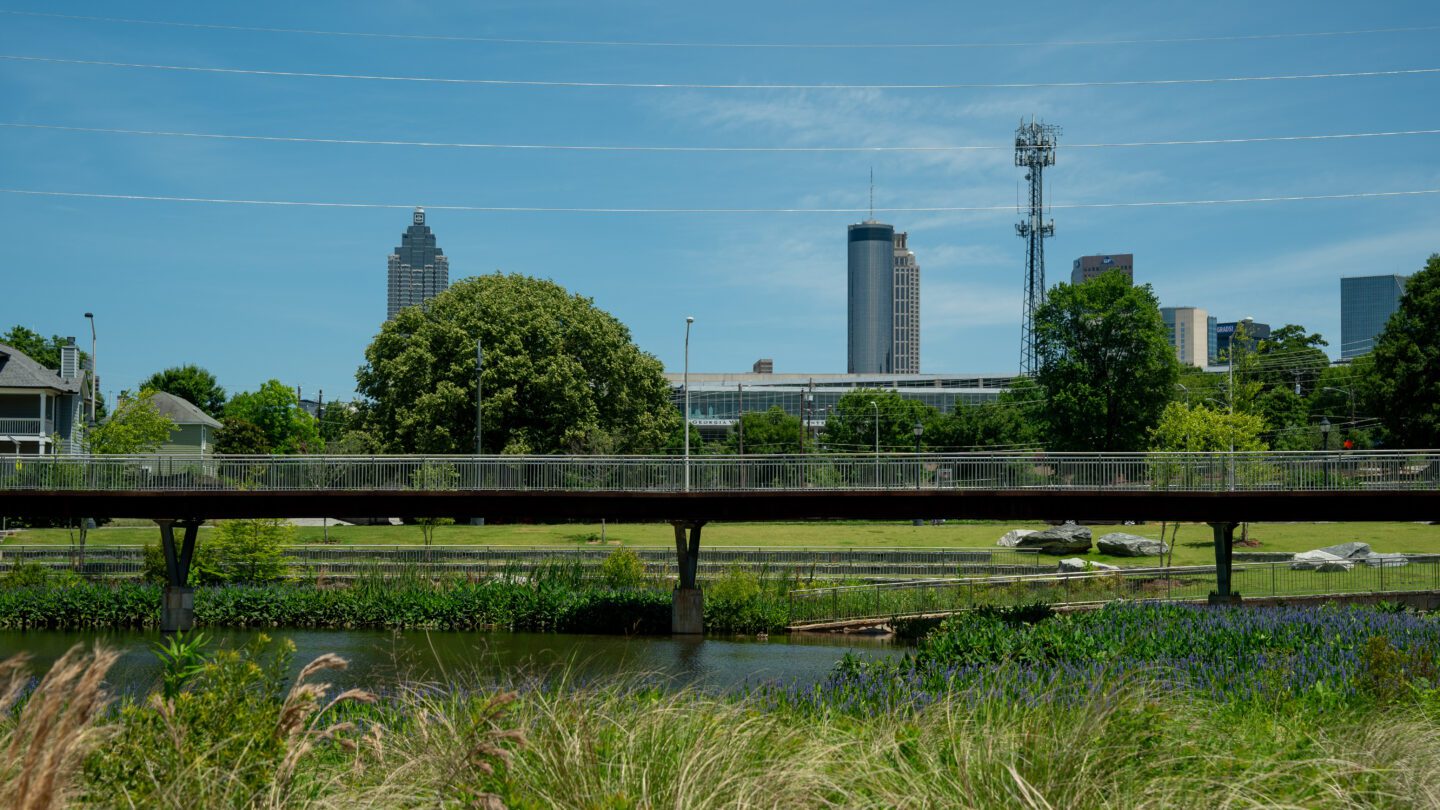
(876, 406)
(1325, 432)
(688, 320)
(480, 424)
(90, 316)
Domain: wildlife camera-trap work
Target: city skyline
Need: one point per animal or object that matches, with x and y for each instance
(175, 282)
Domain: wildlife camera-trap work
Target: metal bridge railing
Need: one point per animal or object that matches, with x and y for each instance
(804, 563)
(1256, 580)
(1174, 472)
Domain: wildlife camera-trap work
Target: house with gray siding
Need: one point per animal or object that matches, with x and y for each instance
(194, 431)
(42, 411)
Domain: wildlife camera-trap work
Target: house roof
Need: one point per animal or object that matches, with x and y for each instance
(181, 411)
(18, 371)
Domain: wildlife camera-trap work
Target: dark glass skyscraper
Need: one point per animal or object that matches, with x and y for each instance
(419, 270)
(871, 298)
(1366, 304)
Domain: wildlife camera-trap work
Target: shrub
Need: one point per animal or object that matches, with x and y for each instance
(242, 551)
(623, 569)
(27, 575)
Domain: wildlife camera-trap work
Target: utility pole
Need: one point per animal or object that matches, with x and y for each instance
(479, 423)
(740, 415)
(1034, 150)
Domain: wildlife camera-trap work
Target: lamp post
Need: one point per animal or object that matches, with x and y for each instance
(1182, 387)
(480, 424)
(688, 320)
(1325, 432)
(90, 316)
(876, 406)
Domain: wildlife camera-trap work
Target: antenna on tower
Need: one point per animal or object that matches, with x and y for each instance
(872, 193)
(1034, 150)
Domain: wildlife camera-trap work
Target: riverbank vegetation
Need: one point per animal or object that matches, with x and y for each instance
(1316, 708)
(555, 599)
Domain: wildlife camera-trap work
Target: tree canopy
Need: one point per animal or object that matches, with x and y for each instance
(1407, 364)
(769, 431)
(137, 426)
(852, 426)
(1197, 428)
(559, 375)
(276, 411)
(192, 384)
(1106, 367)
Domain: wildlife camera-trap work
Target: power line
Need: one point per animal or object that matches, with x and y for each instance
(757, 45)
(623, 148)
(587, 210)
(721, 86)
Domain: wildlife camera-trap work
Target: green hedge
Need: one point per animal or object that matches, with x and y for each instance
(462, 606)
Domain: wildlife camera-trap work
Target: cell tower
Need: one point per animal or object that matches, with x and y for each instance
(1034, 150)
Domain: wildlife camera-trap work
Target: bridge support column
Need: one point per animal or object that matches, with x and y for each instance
(1224, 593)
(687, 605)
(177, 610)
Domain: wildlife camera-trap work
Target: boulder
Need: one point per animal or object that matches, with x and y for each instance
(1120, 544)
(1348, 551)
(1011, 539)
(1075, 565)
(1333, 566)
(1379, 560)
(1312, 560)
(1066, 539)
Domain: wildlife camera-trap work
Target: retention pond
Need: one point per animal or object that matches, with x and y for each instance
(380, 659)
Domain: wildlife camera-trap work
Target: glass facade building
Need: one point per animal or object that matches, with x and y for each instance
(418, 270)
(1366, 304)
(717, 400)
(871, 321)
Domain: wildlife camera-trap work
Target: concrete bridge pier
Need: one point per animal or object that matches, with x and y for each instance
(687, 605)
(1224, 593)
(177, 610)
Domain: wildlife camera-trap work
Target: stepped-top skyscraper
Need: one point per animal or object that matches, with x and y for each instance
(907, 308)
(419, 270)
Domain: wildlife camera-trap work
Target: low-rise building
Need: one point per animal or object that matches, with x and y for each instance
(194, 431)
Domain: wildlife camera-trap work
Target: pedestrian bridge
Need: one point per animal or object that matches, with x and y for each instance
(1222, 489)
(1396, 485)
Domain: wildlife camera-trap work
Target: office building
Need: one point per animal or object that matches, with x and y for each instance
(1212, 352)
(1088, 267)
(763, 366)
(907, 308)
(871, 283)
(1189, 331)
(1366, 304)
(1225, 331)
(419, 270)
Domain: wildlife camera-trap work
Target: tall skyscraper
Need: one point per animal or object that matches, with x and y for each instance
(907, 308)
(871, 298)
(419, 271)
(1366, 304)
(1189, 333)
(1088, 267)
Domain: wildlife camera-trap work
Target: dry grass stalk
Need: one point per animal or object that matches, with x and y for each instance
(302, 711)
(54, 729)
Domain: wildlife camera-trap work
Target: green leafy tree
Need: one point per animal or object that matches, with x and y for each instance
(243, 551)
(1345, 396)
(560, 375)
(1196, 429)
(851, 426)
(1406, 391)
(137, 426)
(623, 569)
(192, 384)
(1008, 423)
(239, 437)
(275, 409)
(770, 431)
(1106, 368)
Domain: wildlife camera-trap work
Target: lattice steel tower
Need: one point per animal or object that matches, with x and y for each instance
(1034, 150)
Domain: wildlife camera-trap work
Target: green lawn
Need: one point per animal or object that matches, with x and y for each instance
(1194, 543)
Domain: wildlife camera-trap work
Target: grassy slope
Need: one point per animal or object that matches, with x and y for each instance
(1194, 543)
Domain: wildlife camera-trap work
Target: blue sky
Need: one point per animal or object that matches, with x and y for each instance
(254, 292)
